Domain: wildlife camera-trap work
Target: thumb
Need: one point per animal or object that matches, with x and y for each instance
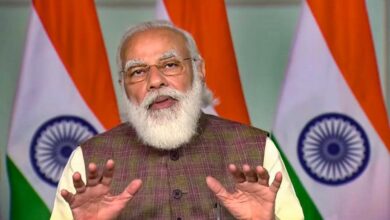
(131, 189)
(217, 188)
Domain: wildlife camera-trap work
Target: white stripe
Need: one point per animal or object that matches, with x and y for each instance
(45, 91)
(161, 12)
(314, 85)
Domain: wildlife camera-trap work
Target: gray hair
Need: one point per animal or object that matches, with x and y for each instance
(150, 25)
(207, 95)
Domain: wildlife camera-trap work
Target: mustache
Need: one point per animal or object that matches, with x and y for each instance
(166, 91)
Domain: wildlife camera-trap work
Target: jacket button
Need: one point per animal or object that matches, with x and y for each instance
(177, 193)
(174, 155)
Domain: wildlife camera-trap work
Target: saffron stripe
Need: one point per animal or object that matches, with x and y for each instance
(350, 42)
(74, 31)
(207, 22)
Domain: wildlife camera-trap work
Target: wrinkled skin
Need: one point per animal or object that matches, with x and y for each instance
(253, 197)
(94, 200)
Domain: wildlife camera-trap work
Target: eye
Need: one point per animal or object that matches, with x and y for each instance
(137, 72)
(171, 64)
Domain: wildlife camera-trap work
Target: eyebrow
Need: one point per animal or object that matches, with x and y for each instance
(133, 63)
(168, 55)
(138, 62)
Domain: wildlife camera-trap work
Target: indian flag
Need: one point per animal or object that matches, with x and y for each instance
(207, 22)
(65, 95)
(331, 122)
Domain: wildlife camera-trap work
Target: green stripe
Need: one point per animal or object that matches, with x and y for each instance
(25, 202)
(309, 208)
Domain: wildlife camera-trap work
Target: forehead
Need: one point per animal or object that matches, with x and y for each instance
(151, 44)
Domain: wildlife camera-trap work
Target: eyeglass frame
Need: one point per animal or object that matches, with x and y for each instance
(159, 67)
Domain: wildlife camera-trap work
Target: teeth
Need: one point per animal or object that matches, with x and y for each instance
(161, 98)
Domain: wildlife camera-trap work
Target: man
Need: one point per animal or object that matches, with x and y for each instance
(171, 160)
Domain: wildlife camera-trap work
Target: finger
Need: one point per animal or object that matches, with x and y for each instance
(131, 189)
(217, 188)
(78, 183)
(250, 174)
(238, 176)
(263, 176)
(108, 172)
(276, 183)
(93, 176)
(68, 196)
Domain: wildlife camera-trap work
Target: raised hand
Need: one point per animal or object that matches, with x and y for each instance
(94, 200)
(253, 197)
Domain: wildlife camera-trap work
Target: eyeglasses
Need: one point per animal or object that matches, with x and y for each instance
(138, 73)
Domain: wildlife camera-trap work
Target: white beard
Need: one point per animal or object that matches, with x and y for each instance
(171, 127)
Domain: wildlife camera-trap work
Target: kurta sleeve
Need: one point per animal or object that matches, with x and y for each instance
(287, 204)
(61, 209)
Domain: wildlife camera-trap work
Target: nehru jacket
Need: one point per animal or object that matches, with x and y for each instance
(174, 185)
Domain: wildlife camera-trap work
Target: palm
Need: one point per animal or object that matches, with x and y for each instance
(250, 200)
(94, 200)
(97, 203)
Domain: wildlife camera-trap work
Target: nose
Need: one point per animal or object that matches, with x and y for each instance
(155, 79)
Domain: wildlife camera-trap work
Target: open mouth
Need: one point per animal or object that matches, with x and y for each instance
(162, 102)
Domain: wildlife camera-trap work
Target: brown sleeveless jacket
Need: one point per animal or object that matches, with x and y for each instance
(174, 182)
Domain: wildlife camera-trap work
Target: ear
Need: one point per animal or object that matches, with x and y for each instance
(120, 77)
(201, 69)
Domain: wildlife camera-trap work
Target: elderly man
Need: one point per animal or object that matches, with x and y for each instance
(172, 161)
